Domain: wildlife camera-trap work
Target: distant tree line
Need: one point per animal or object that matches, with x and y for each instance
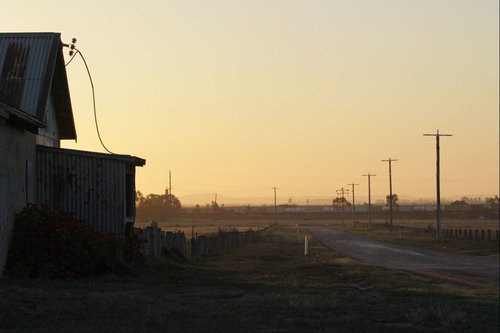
(474, 201)
(157, 207)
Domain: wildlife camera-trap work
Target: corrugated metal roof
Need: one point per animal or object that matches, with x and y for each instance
(26, 67)
(31, 65)
(132, 160)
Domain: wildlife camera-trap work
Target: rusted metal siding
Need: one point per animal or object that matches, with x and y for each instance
(91, 187)
(26, 68)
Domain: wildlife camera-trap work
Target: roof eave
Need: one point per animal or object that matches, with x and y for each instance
(18, 117)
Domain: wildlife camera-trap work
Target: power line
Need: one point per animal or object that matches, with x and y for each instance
(73, 52)
(482, 99)
(473, 161)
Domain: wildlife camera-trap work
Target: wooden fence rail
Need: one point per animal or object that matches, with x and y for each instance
(485, 235)
(156, 242)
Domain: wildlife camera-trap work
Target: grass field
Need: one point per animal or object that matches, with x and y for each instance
(464, 223)
(267, 285)
(211, 225)
(207, 227)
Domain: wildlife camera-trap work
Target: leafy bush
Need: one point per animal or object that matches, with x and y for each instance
(49, 244)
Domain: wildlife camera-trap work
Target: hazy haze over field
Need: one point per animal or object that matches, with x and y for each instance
(236, 97)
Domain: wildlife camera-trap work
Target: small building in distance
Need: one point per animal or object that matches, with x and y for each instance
(35, 115)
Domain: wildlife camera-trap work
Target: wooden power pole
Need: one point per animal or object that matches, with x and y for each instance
(438, 185)
(275, 207)
(353, 205)
(390, 188)
(369, 200)
(342, 193)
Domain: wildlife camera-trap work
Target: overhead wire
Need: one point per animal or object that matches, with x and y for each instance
(71, 59)
(477, 159)
(482, 99)
(76, 51)
(479, 101)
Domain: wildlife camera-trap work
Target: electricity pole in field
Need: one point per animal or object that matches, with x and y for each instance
(353, 205)
(169, 182)
(390, 187)
(438, 185)
(275, 207)
(341, 193)
(169, 195)
(369, 200)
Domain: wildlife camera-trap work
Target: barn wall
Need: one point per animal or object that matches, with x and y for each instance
(89, 186)
(49, 136)
(17, 162)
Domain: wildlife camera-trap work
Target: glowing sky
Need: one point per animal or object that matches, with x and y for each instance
(236, 97)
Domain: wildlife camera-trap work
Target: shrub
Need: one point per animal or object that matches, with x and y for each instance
(132, 249)
(49, 244)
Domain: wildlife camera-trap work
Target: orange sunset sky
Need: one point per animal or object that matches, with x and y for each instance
(236, 97)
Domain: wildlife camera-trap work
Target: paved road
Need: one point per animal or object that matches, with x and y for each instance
(474, 270)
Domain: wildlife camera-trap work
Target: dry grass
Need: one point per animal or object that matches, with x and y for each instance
(266, 286)
(207, 227)
(446, 223)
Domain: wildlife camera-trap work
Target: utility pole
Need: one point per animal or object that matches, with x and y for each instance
(369, 200)
(169, 182)
(333, 211)
(341, 193)
(390, 187)
(353, 205)
(169, 195)
(438, 185)
(275, 207)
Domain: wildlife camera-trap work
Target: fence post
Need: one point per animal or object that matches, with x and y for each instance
(306, 245)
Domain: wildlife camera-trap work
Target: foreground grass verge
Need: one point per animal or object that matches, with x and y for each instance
(265, 286)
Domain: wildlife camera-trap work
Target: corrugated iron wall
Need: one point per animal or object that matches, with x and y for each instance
(91, 188)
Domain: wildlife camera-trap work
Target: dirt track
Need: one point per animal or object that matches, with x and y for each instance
(453, 268)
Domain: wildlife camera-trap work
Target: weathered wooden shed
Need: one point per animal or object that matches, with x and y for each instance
(97, 188)
(34, 102)
(35, 115)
